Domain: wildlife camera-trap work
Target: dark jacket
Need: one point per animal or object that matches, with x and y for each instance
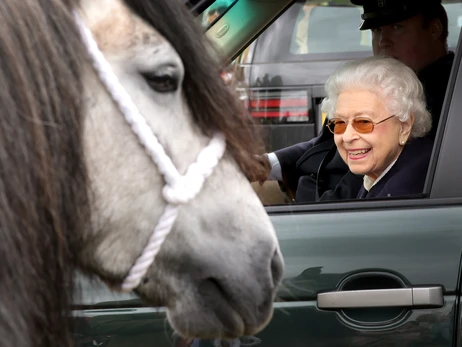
(407, 176)
(314, 169)
(434, 79)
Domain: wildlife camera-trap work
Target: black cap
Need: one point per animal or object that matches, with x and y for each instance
(384, 12)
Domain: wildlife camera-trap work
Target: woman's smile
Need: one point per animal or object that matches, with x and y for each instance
(357, 154)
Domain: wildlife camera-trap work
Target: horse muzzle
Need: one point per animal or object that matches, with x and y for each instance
(230, 303)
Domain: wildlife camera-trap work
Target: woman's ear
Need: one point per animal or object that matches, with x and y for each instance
(406, 128)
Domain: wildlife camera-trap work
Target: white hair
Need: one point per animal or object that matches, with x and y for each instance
(392, 81)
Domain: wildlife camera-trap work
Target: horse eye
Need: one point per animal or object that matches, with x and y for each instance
(162, 81)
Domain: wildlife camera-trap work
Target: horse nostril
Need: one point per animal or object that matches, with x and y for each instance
(277, 268)
(210, 285)
(213, 291)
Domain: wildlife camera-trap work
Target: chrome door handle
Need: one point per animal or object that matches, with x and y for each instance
(401, 297)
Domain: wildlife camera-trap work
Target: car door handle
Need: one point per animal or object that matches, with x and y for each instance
(402, 297)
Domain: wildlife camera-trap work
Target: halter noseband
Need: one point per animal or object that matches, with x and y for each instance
(178, 189)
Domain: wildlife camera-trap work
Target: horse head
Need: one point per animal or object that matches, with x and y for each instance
(78, 189)
(218, 268)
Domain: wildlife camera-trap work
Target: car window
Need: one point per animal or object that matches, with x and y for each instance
(454, 11)
(282, 74)
(91, 291)
(319, 27)
(215, 11)
(319, 30)
(311, 28)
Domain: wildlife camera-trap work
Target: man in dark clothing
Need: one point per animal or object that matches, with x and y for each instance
(412, 31)
(435, 79)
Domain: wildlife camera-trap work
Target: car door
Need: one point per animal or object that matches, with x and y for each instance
(355, 274)
(377, 273)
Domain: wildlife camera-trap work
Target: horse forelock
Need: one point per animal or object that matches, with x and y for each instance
(214, 107)
(113, 27)
(43, 202)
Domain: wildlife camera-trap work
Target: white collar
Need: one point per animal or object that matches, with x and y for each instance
(369, 182)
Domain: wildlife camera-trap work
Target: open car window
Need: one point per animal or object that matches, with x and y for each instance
(280, 77)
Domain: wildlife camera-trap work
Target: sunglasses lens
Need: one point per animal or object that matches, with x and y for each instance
(363, 125)
(337, 126)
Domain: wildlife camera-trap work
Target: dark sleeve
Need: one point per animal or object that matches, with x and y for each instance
(347, 188)
(435, 93)
(288, 158)
(435, 81)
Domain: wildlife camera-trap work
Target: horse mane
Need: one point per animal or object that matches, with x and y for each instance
(223, 111)
(43, 199)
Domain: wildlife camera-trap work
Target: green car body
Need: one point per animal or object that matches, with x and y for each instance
(388, 247)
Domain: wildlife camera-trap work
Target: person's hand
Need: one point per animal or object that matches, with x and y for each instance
(262, 175)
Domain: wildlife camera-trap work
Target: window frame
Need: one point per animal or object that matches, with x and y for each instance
(446, 164)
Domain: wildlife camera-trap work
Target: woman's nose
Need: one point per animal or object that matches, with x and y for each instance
(350, 133)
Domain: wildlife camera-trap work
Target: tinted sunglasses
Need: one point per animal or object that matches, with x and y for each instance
(362, 125)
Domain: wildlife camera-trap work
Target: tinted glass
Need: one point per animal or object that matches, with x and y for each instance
(313, 27)
(319, 30)
(454, 12)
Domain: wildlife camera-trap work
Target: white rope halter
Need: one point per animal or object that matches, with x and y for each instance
(178, 189)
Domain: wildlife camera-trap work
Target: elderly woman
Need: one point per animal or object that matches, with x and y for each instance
(377, 113)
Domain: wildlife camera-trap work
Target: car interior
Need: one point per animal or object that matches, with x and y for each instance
(233, 34)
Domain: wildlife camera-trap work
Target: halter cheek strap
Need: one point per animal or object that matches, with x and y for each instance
(178, 189)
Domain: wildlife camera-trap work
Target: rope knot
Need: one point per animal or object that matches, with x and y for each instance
(184, 188)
